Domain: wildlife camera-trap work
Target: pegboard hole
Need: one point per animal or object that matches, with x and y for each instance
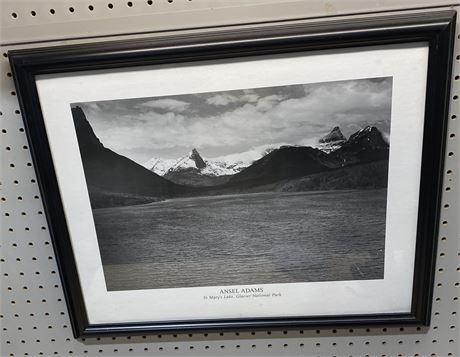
(52, 11)
(110, 6)
(130, 4)
(33, 13)
(90, 7)
(14, 15)
(71, 9)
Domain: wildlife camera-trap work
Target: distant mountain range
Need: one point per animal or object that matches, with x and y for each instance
(291, 162)
(335, 163)
(193, 170)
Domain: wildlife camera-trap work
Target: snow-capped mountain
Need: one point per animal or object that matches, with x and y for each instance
(192, 169)
(331, 141)
(217, 166)
(193, 160)
(158, 165)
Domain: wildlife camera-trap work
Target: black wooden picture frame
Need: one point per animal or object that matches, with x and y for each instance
(435, 28)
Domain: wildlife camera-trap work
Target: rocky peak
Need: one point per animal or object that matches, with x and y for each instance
(196, 157)
(87, 139)
(369, 136)
(334, 135)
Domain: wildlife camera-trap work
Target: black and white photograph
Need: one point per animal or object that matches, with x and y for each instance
(243, 179)
(268, 185)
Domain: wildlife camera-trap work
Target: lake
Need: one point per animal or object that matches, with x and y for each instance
(259, 238)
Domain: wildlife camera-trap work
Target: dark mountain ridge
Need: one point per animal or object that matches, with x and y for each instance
(280, 164)
(107, 171)
(290, 162)
(366, 145)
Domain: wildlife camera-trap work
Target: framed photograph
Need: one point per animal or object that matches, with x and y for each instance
(279, 175)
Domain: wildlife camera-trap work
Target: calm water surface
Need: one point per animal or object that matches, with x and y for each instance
(257, 238)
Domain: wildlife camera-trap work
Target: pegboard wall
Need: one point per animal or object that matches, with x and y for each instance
(33, 315)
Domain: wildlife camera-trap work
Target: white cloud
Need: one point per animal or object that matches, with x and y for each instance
(94, 106)
(225, 99)
(266, 103)
(257, 121)
(222, 99)
(167, 104)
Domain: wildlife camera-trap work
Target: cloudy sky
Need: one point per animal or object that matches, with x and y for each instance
(229, 122)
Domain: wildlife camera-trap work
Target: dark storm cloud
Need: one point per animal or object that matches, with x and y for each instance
(223, 123)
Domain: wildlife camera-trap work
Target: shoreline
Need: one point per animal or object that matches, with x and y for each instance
(234, 195)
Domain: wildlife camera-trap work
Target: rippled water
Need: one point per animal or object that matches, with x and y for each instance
(257, 238)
